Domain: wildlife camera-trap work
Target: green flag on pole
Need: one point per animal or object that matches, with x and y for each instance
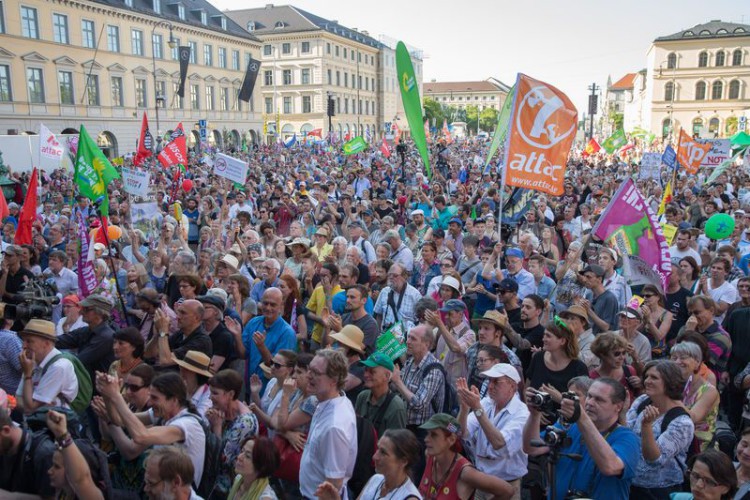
(355, 146)
(615, 141)
(503, 120)
(412, 103)
(93, 172)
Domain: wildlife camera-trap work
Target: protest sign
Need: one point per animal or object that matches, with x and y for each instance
(230, 168)
(135, 182)
(720, 152)
(650, 166)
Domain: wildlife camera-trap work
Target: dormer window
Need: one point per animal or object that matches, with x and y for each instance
(251, 26)
(223, 22)
(204, 17)
(279, 25)
(157, 6)
(129, 3)
(181, 11)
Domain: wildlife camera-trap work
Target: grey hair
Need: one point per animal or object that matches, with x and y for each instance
(391, 233)
(388, 219)
(188, 258)
(101, 265)
(274, 263)
(339, 239)
(355, 250)
(532, 238)
(385, 245)
(688, 349)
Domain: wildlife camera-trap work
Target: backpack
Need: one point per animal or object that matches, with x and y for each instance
(450, 400)
(672, 414)
(85, 387)
(211, 459)
(37, 421)
(364, 468)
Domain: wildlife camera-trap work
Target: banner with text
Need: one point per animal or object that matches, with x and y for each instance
(650, 166)
(135, 182)
(719, 152)
(230, 168)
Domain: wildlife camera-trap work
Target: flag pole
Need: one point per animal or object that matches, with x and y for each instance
(102, 227)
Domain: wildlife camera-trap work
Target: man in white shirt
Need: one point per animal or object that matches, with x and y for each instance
(612, 281)
(241, 206)
(681, 248)
(722, 291)
(494, 429)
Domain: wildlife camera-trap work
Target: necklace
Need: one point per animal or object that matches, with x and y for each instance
(379, 490)
(438, 485)
(126, 370)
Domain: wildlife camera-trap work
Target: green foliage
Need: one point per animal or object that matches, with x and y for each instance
(433, 110)
(488, 119)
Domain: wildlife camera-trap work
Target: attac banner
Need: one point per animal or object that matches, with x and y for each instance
(230, 168)
(691, 153)
(412, 103)
(184, 52)
(543, 125)
(49, 146)
(135, 182)
(356, 145)
(175, 152)
(634, 228)
(145, 143)
(253, 68)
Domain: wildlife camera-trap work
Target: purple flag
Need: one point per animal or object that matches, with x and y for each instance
(86, 277)
(629, 223)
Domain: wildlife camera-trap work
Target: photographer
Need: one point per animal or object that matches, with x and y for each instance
(609, 452)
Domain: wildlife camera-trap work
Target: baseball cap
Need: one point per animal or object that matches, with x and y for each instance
(442, 421)
(684, 225)
(438, 233)
(514, 252)
(453, 305)
(456, 220)
(631, 313)
(502, 370)
(418, 211)
(378, 359)
(508, 285)
(593, 268)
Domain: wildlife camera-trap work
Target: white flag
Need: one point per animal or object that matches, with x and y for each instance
(231, 168)
(49, 145)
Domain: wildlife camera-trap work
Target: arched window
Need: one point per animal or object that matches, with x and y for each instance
(717, 89)
(700, 91)
(720, 58)
(672, 61)
(703, 59)
(669, 91)
(665, 127)
(737, 57)
(697, 126)
(734, 89)
(713, 126)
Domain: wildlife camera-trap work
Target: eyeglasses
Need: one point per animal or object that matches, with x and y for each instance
(707, 481)
(278, 365)
(481, 361)
(134, 387)
(648, 295)
(617, 354)
(743, 287)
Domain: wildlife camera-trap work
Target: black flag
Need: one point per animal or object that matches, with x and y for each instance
(184, 61)
(253, 67)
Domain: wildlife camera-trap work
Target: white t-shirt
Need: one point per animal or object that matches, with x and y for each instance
(677, 255)
(194, 442)
(726, 293)
(372, 490)
(60, 378)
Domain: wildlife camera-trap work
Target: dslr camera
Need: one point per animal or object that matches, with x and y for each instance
(542, 401)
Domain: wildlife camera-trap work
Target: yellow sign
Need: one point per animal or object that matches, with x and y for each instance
(669, 232)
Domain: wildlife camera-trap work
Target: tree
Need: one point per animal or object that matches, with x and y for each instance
(488, 119)
(472, 114)
(433, 111)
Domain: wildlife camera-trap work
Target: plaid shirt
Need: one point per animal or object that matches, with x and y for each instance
(407, 311)
(428, 391)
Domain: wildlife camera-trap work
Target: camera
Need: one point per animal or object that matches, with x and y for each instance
(556, 438)
(38, 296)
(542, 401)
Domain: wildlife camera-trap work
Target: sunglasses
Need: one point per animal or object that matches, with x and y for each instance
(647, 295)
(276, 365)
(561, 323)
(134, 387)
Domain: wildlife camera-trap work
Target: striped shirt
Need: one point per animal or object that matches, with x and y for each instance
(428, 390)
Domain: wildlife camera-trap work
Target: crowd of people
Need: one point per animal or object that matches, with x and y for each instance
(352, 327)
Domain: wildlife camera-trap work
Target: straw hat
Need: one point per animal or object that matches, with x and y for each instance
(231, 261)
(40, 328)
(352, 337)
(196, 362)
(493, 317)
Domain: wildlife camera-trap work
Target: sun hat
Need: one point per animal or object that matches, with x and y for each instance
(352, 337)
(196, 362)
(40, 328)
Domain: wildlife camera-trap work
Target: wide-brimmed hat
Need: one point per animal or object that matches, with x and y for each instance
(231, 261)
(300, 241)
(322, 231)
(493, 317)
(578, 311)
(98, 303)
(452, 282)
(196, 362)
(352, 337)
(40, 328)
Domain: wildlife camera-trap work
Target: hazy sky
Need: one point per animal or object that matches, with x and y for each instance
(567, 43)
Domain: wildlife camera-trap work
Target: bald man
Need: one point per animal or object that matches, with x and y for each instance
(190, 337)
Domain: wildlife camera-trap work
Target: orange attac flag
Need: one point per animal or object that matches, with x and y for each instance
(542, 128)
(591, 148)
(447, 132)
(690, 153)
(28, 213)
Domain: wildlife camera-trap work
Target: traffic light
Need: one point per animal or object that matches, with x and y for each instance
(593, 103)
(331, 110)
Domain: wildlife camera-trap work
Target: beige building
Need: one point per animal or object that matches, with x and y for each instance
(306, 58)
(103, 64)
(489, 93)
(697, 80)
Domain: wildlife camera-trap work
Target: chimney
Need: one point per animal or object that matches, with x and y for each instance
(269, 6)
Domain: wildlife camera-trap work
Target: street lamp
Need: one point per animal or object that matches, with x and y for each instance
(157, 96)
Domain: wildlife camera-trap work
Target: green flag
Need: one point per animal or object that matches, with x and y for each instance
(93, 172)
(615, 141)
(355, 146)
(639, 132)
(503, 120)
(412, 103)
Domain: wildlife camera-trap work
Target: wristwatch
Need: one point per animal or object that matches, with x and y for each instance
(163, 334)
(478, 412)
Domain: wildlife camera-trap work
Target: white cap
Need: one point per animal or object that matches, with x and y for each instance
(503, 370)
(453, 283)
(418, 211)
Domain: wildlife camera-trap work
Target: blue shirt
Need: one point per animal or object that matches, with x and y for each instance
(585, 476)
(260, 287)
(545, 287)
(279, 336)
(338, 303)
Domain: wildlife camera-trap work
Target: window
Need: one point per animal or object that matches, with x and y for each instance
(306, 76)
(345, 52)
(359, 57)
(113, 38)
(209, 98)
(116, 85)
(703, 59)
(737, 57)
(238, 103)
(700, 91)
(305, 47)
(236, 60)
(720, 58)
(35, 82)
(141, 99)
(179, 101)
(29, 22)
(269, 105)
(346, 105)
(181, 11)
(6, 95)
(697, 126)
(734, 89)
(286, 48)
(194, 102)
(287, 74)
(161, 94)
(204, 17)
(306, 104)
(367, 83)
(352, 55)
(267, 50)
(359, 82)
(92, 90)
(338, 79)
(2, 19)
(372, 84)
(367, 107)
(346, 79)
(668, 92)
(193, 52)
(136, 40)
(713, 126)
(359, 107)
(268, 77)
(60, 28)
(222, 57)
(224, 99)
(330, 79)
(65, 79)
(157, 46)
(287, 105)
(129, 3)
(88, 35)
(176, 50)
(717, 89)
(157, 6)
(208, 55)
(672, 61)
(328, 49)
(337, 50)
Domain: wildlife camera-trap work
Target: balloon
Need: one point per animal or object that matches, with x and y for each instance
(187, 185)
(719, 226)
(114, 232)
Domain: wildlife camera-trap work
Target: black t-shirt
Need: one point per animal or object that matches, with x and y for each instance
(364, 274)
(222, 344)
(15, 283)
(539, 374)
(677, 305)
(26, 471)
(737, 325)
(197, 341)
(535, 336)
(358, 371)
(369, 327)
(514, 318)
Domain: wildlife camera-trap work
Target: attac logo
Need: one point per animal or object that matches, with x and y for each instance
(691, 153)
(540, 118)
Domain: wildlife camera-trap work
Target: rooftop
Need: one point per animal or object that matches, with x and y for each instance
(478, 86)
(712, 29)
(624, 83)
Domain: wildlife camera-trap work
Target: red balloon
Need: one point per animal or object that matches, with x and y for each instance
(187, 185)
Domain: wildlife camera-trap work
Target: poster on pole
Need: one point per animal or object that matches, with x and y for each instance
(230, 168)
(650, 166)
(135, 182)
(719, 153)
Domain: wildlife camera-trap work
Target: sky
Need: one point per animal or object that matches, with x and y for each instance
(567, 43)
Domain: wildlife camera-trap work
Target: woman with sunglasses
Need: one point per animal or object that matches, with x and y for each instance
(611, 349)
(282, 366)
(657, 321)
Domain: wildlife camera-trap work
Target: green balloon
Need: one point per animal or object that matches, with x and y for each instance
(719, 226)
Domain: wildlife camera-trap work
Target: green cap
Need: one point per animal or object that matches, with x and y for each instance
(377, 358)
(442, 421)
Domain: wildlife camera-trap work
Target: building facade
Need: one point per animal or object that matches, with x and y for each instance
(697, 80)
(105, 63)
(488, 93)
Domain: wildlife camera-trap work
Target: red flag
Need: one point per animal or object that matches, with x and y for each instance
(145, 143)
(175, 152)
(384, 149)
(28, 214)
(4, 212)
(447, 132)
(347, 137)
(591, 148)
(318, 132)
